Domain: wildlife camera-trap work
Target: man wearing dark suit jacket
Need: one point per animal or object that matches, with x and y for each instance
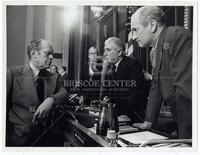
(172, 72)
(88, 74)
(127, 87)
(32, 91)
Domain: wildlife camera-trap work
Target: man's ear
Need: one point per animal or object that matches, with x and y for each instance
(153, 25)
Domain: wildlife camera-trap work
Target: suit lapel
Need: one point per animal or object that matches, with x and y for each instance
(159, 50)
(121, 67)
(26, 82)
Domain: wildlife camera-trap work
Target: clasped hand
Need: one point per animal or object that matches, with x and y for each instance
(43, 110)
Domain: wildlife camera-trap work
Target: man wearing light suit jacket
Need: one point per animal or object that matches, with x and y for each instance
(32, 91)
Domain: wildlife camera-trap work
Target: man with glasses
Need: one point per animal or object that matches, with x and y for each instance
(171, 58)
(127, 84)
(32, 91)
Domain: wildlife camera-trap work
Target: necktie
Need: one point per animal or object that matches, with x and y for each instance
(113, 68)
(153, 58)
(40, 86)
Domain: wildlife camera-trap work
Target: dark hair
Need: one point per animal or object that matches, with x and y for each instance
(36, 45)
(55, 68)
(64, 68)
(152, 12)
(33, 45)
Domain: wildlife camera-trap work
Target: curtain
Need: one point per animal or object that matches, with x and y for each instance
(79, 43)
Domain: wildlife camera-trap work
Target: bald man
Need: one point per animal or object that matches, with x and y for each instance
(171, 58)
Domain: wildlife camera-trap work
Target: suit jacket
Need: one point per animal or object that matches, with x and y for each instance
(22, 95)
(131, 100)
(172, 79)
(90, 92)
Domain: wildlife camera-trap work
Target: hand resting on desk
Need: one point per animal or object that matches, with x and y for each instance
(143, 126)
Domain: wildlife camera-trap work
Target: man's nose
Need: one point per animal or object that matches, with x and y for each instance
(51, 56)
(105, 52)
(134, 36)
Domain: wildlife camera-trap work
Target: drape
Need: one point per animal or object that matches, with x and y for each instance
(79, 43)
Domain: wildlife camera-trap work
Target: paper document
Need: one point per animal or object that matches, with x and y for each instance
(127, 128)
(141, 137)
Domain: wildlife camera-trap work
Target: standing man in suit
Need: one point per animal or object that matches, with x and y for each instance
(32, 91)
(172, 67)
(128, 80)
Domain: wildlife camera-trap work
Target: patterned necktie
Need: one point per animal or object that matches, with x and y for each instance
(153, 58)
(40, 86)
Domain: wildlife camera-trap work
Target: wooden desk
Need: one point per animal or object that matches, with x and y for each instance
(78, 135)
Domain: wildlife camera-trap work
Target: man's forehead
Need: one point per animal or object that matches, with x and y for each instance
(110, 43)
(92, 51)
(134, 20)
(46, 45)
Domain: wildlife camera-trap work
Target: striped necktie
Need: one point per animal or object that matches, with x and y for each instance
(153, 58)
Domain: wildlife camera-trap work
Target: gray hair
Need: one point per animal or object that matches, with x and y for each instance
(117, 42)
(147, 13)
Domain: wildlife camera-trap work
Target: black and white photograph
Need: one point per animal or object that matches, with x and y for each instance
(103, 75)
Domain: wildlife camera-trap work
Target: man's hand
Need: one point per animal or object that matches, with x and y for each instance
(143, 126)
(43, 110)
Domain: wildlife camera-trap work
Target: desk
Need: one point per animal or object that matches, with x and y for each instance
(76, 133)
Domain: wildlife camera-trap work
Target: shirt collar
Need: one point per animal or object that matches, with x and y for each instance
(91, 72)
(34, 69)
(63, 73)
(156, 39)
(117, 63)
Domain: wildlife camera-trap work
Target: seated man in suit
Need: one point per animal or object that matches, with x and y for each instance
(32, 91)
(128, 89)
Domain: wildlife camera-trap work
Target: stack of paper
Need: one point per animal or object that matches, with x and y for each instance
(127, 129)
(141, 137)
